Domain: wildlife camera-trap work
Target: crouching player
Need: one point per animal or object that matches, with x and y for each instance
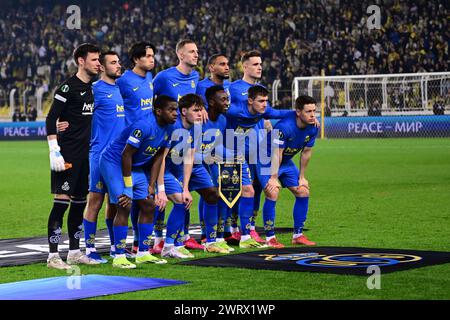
(181, 171)
(122, 165)
(296, 133)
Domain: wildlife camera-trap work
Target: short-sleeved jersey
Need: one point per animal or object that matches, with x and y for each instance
(108, 120)
(207, 83)
(175, 84)
(73, 102)
(292, 138)
(239, 91)
(213, 139)
(180, 139)
(137, 94)
(145, 135)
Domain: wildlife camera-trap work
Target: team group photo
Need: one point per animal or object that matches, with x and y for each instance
(224, 150)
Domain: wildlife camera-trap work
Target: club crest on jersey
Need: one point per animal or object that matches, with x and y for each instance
(307, 138)
(137, 133)
(150, 85)
(192, 84)
(99, 185)
(65, 88)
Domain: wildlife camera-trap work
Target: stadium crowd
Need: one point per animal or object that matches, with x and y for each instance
(295, 37)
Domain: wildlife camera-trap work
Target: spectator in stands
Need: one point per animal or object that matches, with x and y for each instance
(18, 116)
(374, 109)
(294, 39)
(31, 113)
(439, 107)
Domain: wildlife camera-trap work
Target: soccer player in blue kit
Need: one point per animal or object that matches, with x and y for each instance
(252, 69)
(293, 134)
(136, 88)
(218, 66)
(136, 85)
(124, 166)
(176, 82)
(108, 121)
(188, 128)
(213, 150)
(244, 119)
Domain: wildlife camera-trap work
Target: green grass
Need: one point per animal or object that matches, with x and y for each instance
(391, 193)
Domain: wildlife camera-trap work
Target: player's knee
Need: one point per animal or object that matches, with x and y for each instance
(272, 195)
(248, 191)
(211, 195)
(301, 192)
(147, 206)
(176, 198)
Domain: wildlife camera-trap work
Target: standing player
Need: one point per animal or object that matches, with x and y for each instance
(176, 82)
(69, 155)
(136, 88)
(220, 72)
(124, 166)
(108, 121)
(136, 85)
(296, 133)
(252, 68)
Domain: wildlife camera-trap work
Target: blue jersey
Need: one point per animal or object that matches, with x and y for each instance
(213, 138)
(292, 138)
(137, 93)
(180, 139)
(175, 84)
(207, 83)
(145, 135)
(239, 91)
(108, 119)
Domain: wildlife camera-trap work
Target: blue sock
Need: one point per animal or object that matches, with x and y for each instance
(187, 218)
(269, 217)
(145, 235)
(245, 214)
(235, 214)
(90, 228)
(210, 215)
(201, 214)
(159, 222)
(227, 227)
(221, 218)
(256, 202)
(134, 214)
(175, 223)
(109, 224)
(300, 211)
(120, 238)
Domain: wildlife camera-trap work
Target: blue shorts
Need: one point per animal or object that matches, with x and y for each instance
(288, 174)
(112, 174)
(213, 170)
(96, 181)
(200, 177)
(172, 184)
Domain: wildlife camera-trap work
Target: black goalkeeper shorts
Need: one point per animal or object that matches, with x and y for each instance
(73, 181)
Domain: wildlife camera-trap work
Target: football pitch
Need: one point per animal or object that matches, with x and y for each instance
(374, 193)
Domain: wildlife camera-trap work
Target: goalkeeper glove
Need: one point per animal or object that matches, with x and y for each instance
(56, 159)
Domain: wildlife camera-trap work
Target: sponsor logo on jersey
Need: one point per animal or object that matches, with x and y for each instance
(146, 102)
(88, 108)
